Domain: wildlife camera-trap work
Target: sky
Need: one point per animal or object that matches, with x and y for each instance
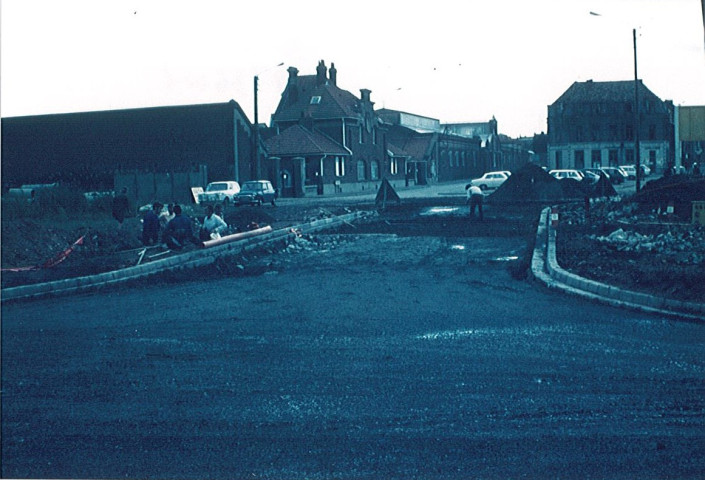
(452, 60)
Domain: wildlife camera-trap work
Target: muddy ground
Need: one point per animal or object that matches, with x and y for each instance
(614, 243)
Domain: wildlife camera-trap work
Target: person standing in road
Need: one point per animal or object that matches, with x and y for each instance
(475, 197)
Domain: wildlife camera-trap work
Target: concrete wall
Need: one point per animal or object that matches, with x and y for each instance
(145, 187)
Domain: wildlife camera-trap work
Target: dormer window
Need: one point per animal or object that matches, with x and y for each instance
(315, 100)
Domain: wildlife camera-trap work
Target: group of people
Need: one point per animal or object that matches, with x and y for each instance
(175, 229)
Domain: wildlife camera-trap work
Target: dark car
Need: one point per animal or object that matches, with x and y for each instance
(615, 174)
(255, 192)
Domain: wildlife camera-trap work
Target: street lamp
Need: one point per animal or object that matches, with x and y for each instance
(637, 153)
(257, 162)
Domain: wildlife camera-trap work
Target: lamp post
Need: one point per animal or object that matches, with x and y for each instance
(637, 153)
(257, 162)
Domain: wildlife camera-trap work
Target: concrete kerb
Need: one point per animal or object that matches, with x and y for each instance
(545, 268)
(190, 259)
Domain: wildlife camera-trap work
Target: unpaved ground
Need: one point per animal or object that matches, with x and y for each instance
(587, 246)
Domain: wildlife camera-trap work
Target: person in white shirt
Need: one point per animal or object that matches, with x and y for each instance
(213, 225)
(475, 197)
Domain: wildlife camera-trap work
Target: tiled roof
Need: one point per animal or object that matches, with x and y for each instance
(620, 91)
(297, 140)
(334, 102)
(396, 151)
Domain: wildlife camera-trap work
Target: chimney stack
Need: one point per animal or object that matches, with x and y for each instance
(333, 74)
(321, 71)
(365, 95)
(293, 87)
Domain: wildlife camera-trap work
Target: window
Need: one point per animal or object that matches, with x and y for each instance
(613, 158)
(652, 132)
(559, 159)
(339, 166)
(360, 170)
(629, 156)
(579, 159)
(374, 170)
(315, 100)
(393, 166)
(596, 158)
(629, 132)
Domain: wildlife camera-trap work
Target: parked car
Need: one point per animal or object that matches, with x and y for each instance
(630, 170)
(256, 192)
(591, 175)
(567, 173)
(219, 192)
(491, 180)
(615, 175)
(645, 170)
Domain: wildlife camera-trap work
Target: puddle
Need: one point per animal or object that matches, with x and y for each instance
(510, 258)
(440, 211)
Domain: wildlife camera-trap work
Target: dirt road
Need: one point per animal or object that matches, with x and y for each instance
(359, 354)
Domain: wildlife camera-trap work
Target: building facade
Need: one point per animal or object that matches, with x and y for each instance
(594, 124)
(324, 139)
(87, 149)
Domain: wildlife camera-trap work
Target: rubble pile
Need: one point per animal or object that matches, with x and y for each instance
(687, 246)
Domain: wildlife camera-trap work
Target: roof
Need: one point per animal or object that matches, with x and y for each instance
(299, 141)
(334, 102)
(590, 92)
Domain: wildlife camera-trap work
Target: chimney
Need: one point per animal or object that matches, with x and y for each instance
(293, 87)
(321, 73)
(333, 74)
(365, 95)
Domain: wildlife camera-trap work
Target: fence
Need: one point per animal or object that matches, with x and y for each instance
(166, 187)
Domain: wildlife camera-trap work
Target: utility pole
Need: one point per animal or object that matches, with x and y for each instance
(256, 146)
(637, 153)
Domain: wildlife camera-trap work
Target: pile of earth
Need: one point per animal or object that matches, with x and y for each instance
(533, 184)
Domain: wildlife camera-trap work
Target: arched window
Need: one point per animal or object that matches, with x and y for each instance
(374, 170)
(361, 170)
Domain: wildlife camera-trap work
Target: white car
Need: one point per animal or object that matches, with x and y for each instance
(491, 180)
(567, 173)
(219, 192)
(630, 170)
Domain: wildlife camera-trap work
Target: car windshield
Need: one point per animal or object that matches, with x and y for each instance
(251, 187)
(215, 187)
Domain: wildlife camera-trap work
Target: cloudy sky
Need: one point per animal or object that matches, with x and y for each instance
(463, 60)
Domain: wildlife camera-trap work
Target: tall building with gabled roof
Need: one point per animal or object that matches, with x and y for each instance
(352, 152)
(593, 124)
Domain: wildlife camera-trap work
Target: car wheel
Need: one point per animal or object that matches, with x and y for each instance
(274, 204)
(483, 187)
(226, 202)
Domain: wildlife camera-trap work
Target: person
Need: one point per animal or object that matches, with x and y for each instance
(475, 199)
(166, 217)
(212, 226)
(121, 206)
(218, 210)
(150, 225)
(179, 230)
